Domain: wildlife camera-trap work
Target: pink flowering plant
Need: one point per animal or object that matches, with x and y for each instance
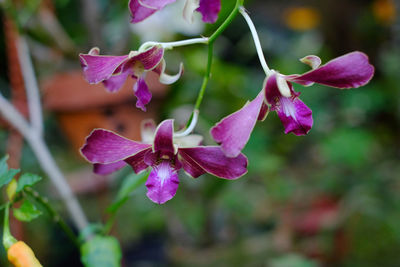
(164, 153)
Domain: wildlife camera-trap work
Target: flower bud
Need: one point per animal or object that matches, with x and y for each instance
(21, 255)
(11, 189)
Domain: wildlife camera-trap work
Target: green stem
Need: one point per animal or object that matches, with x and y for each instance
(210, 43)
(53, 214)
(110, 223)
(8, 239)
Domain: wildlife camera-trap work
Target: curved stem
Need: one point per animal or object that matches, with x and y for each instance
(170, 45)
(211, 41)
(8, 239)
(257, 43)
(53, 214)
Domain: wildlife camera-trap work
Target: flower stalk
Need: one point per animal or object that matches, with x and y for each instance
(256, 39)
(53, 214)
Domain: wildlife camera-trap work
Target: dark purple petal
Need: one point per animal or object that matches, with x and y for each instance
(348, 71)
(115, 82)
(162, 183)
(233, 131)
(99, 68)
(104, 169)
(263, 112)
(163, 140)
(209, 9)
(295, 115)
(103, 146)
(137, 161)
(141, 9)
(142, 93)
(212, 160)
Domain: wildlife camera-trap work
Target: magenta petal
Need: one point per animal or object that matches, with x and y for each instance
(348, 71)
(142, 93)
(103, 146)
(212, 160)
(104, 169)
(149, 58)
(137, 161)
(141, 9)
(233, 131)
(163, 140)
(115, 82)
(209, 9)
(162, 183)
(295, 115)
(99, 68)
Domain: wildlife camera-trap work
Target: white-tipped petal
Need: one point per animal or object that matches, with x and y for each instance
(312, 61)
(167, 78)
(189, 9)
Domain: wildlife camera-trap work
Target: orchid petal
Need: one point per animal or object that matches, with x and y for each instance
(104, 147)
(272, 90)
(147, 129)
(189, 9)
(211, 159)
(142, 93)
(295, 115)
(233, 132)
(209, 9)
(163, 140)
(188, 140)
(312, 61)
(149, 58)
(166, 78)
(99, 68)
(137, 161)
(115, 82)
(348, 71)
(141, 9)
(105, 169)
(162, 183)
(263, 112)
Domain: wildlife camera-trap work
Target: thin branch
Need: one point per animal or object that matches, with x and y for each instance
(46, 161)
(31, 86)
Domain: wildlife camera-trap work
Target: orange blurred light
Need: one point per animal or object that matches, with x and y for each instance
(384, 11)
(301, 18)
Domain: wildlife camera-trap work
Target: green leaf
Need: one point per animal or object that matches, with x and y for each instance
(7, 176)
(130, 183)
(3, 164)
(27, 179)
(101, 251)
(27, 212)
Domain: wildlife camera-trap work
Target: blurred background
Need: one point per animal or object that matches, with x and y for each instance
(331, 198)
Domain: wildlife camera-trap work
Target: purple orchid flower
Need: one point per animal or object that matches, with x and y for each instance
(141, 9)
(164, 154)
(113, 71)
(348, 71)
